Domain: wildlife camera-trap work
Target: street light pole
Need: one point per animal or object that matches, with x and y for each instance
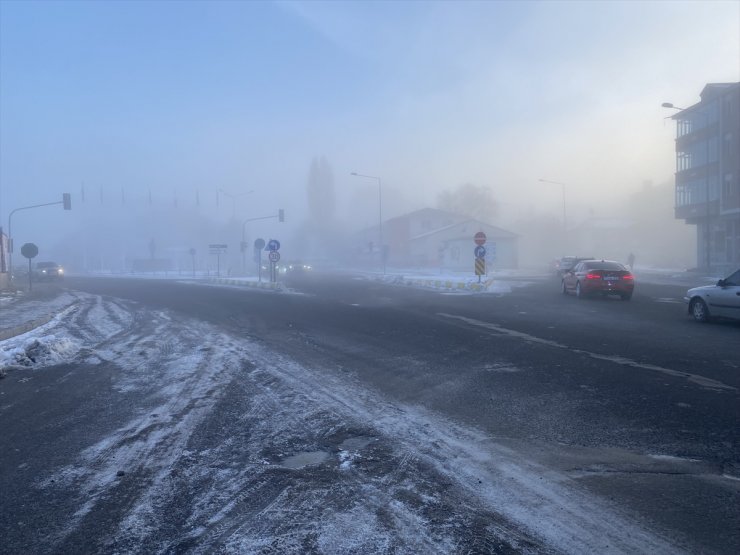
(707, 233)
(380, 216)
(64, 201)
(233, 198)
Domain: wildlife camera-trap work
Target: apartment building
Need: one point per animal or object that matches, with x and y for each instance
(708, 175)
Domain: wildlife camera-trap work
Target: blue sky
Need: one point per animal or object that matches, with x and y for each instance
(177, 96)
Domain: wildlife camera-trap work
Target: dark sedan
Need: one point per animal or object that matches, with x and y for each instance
(602, 277)
(48, 271)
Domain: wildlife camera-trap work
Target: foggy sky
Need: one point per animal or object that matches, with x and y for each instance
(182, 99)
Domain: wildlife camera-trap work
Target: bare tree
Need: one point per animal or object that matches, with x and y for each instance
(321, 202)
(317, 236)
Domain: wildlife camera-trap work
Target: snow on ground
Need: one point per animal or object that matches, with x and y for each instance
(39, 347)
(270, 455)
(18, 308)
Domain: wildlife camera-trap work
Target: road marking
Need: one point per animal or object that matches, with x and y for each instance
(670, 300)
(700, 380)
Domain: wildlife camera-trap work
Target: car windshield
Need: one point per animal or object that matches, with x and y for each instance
(46, 265)
(733, 279)
(603, 265)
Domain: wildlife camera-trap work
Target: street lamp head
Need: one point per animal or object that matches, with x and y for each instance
(672, 106)
(353, 173)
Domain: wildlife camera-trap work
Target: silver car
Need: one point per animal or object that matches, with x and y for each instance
(721, 300)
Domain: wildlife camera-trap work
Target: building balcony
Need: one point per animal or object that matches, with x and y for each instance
(698, 211)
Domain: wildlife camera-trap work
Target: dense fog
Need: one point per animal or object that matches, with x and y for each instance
(176, 127)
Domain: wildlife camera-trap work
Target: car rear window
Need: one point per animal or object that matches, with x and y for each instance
(604, 266)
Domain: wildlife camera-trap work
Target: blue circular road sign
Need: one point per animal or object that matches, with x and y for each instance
(480, 251)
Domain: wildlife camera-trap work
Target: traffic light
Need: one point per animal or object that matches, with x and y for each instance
(281, 215)
(67, 201)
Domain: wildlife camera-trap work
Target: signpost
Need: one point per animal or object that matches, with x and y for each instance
(29, 250)
(273, 246)
(480, 267)
(192, 255)
(480, 254)
(218, 249)
(259, 244)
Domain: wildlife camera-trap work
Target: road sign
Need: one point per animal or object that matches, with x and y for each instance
(480, 238)
(29, 250)
(273, 245)
(274, 256)
(218, 246)
(259, 243)
(480, 266)
(480, 251)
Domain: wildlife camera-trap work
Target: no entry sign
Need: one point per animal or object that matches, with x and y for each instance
(480, 238)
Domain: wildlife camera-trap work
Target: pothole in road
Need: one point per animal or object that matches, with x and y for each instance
(356, 443)
(307, 458)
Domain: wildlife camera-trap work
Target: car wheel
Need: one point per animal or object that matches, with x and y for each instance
(564, 289)
(579, 292)
(626, 296)
(699, 310)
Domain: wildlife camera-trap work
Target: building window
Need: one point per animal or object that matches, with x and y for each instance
(727, 186)
(683, 161)
(683, 127)
(695, 192)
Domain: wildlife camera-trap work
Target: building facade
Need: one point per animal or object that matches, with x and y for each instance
(708, 175)
(435, 239)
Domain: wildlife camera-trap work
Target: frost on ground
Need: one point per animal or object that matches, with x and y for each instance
(233, 448)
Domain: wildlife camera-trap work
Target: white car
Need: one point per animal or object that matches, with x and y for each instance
(721, 300)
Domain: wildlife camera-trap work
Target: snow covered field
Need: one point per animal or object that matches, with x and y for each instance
(232, 447)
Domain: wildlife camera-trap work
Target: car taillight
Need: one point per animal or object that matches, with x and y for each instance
(628, 277)
(593, 276)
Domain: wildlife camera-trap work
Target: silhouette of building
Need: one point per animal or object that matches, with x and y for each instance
(708, 174)
(433, 238)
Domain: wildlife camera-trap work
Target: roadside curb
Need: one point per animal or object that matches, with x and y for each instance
(252, 284)
(26, 327)
(448, 285)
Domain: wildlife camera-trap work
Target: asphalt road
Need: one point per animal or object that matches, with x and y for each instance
(633, 400)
